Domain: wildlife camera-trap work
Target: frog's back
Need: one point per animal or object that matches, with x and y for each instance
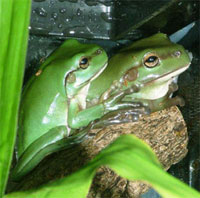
(39, 104)
(44, 99)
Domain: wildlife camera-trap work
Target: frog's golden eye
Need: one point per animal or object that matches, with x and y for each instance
(151, 60)
(84, 63)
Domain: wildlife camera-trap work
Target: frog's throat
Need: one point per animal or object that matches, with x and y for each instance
(167, 76)
(83, 92)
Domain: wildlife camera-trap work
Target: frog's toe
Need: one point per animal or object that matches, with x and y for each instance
(180, 101)
(172, 88)
(135, 104)
(146, 110)
(139, 111)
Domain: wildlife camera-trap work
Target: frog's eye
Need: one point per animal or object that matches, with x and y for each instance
(84, 63)
(151, 60)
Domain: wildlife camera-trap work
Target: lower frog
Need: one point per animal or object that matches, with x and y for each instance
(150, 64)
(53, 104)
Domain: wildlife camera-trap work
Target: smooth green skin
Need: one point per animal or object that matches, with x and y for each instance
(53, 105)
(127, 68)
(49, 100)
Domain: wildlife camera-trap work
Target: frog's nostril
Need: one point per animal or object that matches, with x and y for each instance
(177, 54)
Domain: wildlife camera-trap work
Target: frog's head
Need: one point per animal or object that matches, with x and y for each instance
(156, 61)
(89, 62)
(148, 63)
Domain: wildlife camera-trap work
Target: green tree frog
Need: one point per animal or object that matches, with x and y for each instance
(150, 64)
(53, 104)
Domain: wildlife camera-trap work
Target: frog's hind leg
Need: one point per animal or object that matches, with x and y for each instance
(52, 141)
(165, 102)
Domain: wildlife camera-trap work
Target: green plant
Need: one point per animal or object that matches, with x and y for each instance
(130, 158)
(14, 20)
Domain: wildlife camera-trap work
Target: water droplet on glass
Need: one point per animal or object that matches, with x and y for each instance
(53, 20)
(41, 12)
(62, 10)
(54, 15)
(51, 3)
(68, 19)
(60, 26)
(78, 12)
(71, 32)
(39, 30)
(79, 31)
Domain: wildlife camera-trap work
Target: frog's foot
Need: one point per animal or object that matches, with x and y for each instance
(168, 102)
(177, 101)
(107, 94)
(172, 102)
(52, 141)
(172, 88)
(135, 106)
(115, 101)
(122, 116)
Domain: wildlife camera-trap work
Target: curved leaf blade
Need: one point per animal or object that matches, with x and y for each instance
(130, 158)
(14, 20)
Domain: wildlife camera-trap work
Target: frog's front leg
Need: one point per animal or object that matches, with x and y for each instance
(172, 88)
(121, 116)
(166, 102)
(54, 140)
(78, 117)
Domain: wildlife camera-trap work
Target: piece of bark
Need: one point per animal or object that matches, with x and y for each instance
(165, 131)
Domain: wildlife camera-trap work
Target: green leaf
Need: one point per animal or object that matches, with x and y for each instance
(129, 157)
(14, 20)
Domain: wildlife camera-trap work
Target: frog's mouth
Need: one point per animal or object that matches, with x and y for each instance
(167, 76)
(93, 77)
(99, 72)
